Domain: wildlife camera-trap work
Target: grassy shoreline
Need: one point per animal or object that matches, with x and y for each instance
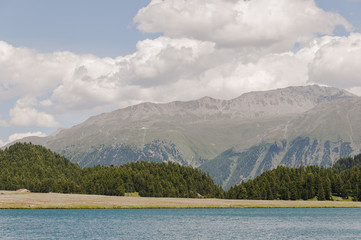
(16, 200)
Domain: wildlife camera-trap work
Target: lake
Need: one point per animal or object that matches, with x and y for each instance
(292, 223)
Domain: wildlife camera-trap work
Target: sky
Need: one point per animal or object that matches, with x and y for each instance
(64, 61)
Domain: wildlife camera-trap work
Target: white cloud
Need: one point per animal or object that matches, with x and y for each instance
(157, 64)
(165, 60)
(24, 114)
(46, 103)
(259, 23)
(26, 72)
(337, 63)
(270, 71)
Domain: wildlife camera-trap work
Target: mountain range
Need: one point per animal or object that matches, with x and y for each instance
(232, 140)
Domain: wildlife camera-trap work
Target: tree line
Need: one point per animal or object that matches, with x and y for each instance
(311, 182)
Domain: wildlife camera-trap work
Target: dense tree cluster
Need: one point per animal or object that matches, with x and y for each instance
(40, 170)
(150, 180)
(347, 163)
(343, 180)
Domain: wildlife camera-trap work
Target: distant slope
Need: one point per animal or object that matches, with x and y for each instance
(189, 133)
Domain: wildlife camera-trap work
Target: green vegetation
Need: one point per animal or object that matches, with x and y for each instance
(341, 181)
(40, 170)
(132, 194)
(347, 163)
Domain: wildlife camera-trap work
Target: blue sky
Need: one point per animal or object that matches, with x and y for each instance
(105, 29)
(350, 9)
(64, 61)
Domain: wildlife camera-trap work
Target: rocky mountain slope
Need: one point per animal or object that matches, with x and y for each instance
(232, 139)
(319, 136)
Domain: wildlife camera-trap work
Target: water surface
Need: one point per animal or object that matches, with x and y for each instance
(310, 223)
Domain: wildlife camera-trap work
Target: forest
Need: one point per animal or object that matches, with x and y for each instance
(343, 180)
(24, 165)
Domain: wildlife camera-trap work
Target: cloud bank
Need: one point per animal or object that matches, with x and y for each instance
(219, 48)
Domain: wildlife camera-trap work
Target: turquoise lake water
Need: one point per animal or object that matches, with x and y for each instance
(181, 224)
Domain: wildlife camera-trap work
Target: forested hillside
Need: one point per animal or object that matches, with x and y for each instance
(40, 170)
(343, 180)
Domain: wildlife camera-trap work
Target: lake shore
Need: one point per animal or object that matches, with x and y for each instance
(16, 200)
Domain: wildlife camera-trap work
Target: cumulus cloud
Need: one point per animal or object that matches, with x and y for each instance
(26, 72)
(24, 114)
(155, 66)
(164, 60)
(337, 63)
(270, 71)
(261, 23)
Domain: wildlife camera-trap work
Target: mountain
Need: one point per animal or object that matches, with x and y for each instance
(231, 139)
(320, 136)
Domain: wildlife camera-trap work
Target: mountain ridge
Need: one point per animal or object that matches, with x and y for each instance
(260, 127)
(237, 106)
